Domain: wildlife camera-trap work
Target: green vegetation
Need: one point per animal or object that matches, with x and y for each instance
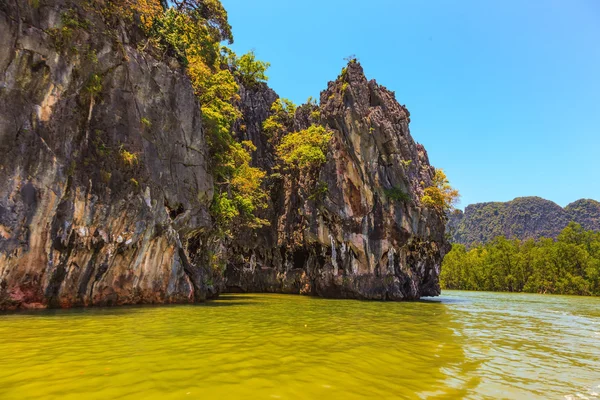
(237, 200)
(94, 84)
(345, 87)
(62, 35)
(105, 176)
(300, 152)
(128, 158)
(192, 31)
(320, 191)
(397, 194)
(585, 212)
(305, 150)
(523, 218)
(568, 265)
(281, 120)
(70, 19)
(146, 122)
(440, 195)
(249, 70)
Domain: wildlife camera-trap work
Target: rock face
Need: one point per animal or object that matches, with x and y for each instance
(522, 218)
(105, 188)
(585, 212)
(351, 239)
(103, 174)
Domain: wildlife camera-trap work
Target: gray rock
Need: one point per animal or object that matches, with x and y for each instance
(354, 242)
(80, 224)
(105, 188)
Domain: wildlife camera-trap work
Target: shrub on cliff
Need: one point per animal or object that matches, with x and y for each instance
(305, 150)
(440, 195)
(193, 31)
(281, 120)
(249, 70)
(209, 13)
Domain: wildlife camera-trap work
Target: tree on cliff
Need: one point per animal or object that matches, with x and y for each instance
(192, 31)
(440, 194)
(210, 13)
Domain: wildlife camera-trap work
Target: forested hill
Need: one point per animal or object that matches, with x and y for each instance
(522, 218)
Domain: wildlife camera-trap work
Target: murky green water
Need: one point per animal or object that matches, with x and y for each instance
(471, 345)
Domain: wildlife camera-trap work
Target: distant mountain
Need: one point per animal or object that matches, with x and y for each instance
(585, 212)
(522, 218)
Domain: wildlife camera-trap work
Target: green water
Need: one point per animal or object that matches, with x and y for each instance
(462, 345)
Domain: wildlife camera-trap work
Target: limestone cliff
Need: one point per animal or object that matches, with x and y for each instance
(103, 175)
(343, 235)
(105, 183)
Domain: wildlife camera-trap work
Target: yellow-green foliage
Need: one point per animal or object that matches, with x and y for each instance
(440, 195)
(245, 195)
(193, 32)
(345, 87)
(305, 150)
(320, 191)
(94, 84)
(249, 70)
(146, 122)
(344, 73)
(71, 20)
(113, 10)
(281, 119)
(210, 13)
(186, 36)
(60, 36)
(69, 23)
(128, 158)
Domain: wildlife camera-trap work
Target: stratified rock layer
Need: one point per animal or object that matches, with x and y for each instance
(103, 173)
(350, 240)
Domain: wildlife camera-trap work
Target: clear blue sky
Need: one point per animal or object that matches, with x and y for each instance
(504, 94)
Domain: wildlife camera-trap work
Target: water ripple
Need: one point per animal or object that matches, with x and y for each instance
(462, 345)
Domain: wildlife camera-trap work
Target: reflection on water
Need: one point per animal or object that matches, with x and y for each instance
(472, 345)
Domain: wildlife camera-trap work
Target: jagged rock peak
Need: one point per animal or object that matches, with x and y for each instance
(367, 235)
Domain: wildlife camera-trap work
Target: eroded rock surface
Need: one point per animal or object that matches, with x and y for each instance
(105, 188)
(103, 172)
(351, 240)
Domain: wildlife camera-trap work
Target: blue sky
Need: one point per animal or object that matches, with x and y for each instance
(505, 95)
